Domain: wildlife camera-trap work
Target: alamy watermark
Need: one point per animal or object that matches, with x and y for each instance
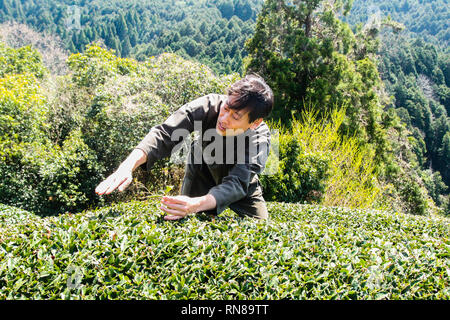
(235, 147)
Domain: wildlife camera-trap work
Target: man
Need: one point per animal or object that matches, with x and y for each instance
(224, 177)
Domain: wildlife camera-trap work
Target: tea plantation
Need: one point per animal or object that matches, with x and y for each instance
(127, 251)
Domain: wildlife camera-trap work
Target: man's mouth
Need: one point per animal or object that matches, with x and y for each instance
(220, 127)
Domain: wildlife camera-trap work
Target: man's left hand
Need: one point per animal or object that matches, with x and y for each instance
(179, 206)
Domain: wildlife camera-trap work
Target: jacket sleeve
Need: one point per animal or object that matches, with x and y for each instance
(161, 139)
(234, 186)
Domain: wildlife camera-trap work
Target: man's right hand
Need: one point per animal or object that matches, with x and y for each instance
(123, 176)
(121, 179)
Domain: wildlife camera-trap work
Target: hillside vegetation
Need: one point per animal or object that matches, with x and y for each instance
(358, 190)
(60, 136)
(127, 251)
(210, 31)
(425, 19)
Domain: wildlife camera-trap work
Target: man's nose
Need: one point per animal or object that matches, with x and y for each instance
(225, 118)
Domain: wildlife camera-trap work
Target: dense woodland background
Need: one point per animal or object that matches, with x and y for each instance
(379, 71)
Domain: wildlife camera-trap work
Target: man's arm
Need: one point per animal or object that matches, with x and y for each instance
(123, 176)
(158, 143)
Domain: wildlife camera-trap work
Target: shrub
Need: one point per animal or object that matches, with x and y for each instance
(93, 67)
(22, 111)
(413, 196)
(47, 179)
(177, 81)
(37, 174)
(319, 164)
(128, 99)
(57, 143)
(22, 118)
(127, 251)
(21, 60)
(68, 177)
(300, 177)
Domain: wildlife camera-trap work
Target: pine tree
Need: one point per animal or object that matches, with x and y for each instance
(110, 39)
(133, 38)
(71, 47)
(126, 48)
(243, 10)
(121, 27)
(444, 153)
(226, 7)
(18, 14)
(5, 7)
(82, 40)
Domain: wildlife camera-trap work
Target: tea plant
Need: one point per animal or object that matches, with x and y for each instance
(128, 251)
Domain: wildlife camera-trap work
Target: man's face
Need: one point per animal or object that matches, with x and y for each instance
(233, 122)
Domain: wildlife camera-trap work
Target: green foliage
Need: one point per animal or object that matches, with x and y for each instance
(309, 57)
(68, 176)
(93, 67)
(21, 60)
(58, 143)
(148, 27)
(37, 175)
(410, 68)
(413, 196)
(116, 101)
(22, 111)
(422, 19)
(434, 184)
(301, 175)
(128, 251)
(47, 179)
(318, 165)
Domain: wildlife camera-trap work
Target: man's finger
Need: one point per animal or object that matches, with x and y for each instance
(174, 205)
(170, 199)
(113, 186)
(173, 218)
(173, 211)
(101, 188)
(125, 184)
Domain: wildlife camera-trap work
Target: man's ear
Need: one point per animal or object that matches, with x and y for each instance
(256, 123)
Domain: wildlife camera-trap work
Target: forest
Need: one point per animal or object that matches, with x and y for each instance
(144, 28)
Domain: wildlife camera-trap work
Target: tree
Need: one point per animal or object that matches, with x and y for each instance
(126, 47)
(4, 6)
(226, 7)
(243, 10)
(307, 55)
(121, 27)
(444, 152)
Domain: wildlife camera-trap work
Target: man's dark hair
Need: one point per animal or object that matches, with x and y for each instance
(252, 92)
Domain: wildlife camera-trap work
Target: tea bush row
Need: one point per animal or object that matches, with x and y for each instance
(127, 251)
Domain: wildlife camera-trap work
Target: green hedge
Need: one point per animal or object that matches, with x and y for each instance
(127, 251)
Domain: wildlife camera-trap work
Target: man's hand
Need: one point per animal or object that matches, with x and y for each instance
(123, 176)
(180, 206)
(119, 179)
